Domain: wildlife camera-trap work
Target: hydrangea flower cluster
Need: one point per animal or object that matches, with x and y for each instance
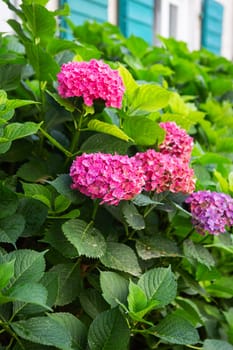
(111, 178)
(91, 80)
(177, 142)
(211, 211)
(163, 172)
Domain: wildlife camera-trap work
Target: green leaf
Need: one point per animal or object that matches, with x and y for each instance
(16, 131)
(142, 200)
(34, 213)
(45, 66)
(56, 45)
(62, 101)
(108, 329)
(33, 171)
(3, 97)
(10, 75)
(159, 284)
(29, 266)
(69, 282)
(8, 203)
(56, 238)
(189, 311)
(110, 129)
(132, 216)
(34, 293)
(137, 46)
(223, 183)
(216, 344)
(143, 131)
(176, 330)
(196, 252)
(138, 303)
(61, 203)
(63, 186)
(157, 246)
(221, 288)
(11, 228)
(4, 147)
(73, 326)
(220, 86)
(43, 330)
(149, 98)
(50, 282)
(92, 302)
(129, 83)
(7, 112)
(121, 257)
(86, 239)
(31, 190)
(230, 180)
(40, 21)
(203, 273)
(6, 273)
(114, 287)
(137, 299)
(104, 143)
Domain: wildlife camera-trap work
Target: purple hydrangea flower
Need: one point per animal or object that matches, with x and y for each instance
(211, 211)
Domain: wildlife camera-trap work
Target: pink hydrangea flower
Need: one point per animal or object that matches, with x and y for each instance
(211, 211)
(164, 172)
(91, 80)
(111, 178)
(177, 142)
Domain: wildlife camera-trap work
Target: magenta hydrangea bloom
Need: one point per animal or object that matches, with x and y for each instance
(111, 178)
(91, 80)
(177, 142)
(211, 211)
(164, 172)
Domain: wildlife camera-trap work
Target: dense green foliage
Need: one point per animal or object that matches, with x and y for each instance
(75, 275)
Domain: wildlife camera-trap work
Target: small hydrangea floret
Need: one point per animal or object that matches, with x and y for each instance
(163, 172)
(177, 142)
(211, 211)
(91, 80)
(111, 178)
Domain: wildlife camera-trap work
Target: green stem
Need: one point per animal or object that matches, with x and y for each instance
(156, 345)
(77, 133)
(148, 210)
(186, 237)
(56, 143)
(193, 347)
(95, 209)
(14, 336)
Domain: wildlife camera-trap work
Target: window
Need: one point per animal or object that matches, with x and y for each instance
(179, 19)
(137, 17)
(212, 25)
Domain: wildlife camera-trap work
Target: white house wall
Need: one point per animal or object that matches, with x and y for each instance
(5, 15)
(227, 33)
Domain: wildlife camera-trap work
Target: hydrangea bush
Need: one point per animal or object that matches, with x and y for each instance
(116, 186)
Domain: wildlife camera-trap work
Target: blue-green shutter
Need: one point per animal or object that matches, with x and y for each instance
(212, 25)
(137, 17)
(83, 10)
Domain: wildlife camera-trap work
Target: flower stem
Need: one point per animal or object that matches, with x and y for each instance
(95, 208)
(186, 237)
(77, 133)
(56, 143)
